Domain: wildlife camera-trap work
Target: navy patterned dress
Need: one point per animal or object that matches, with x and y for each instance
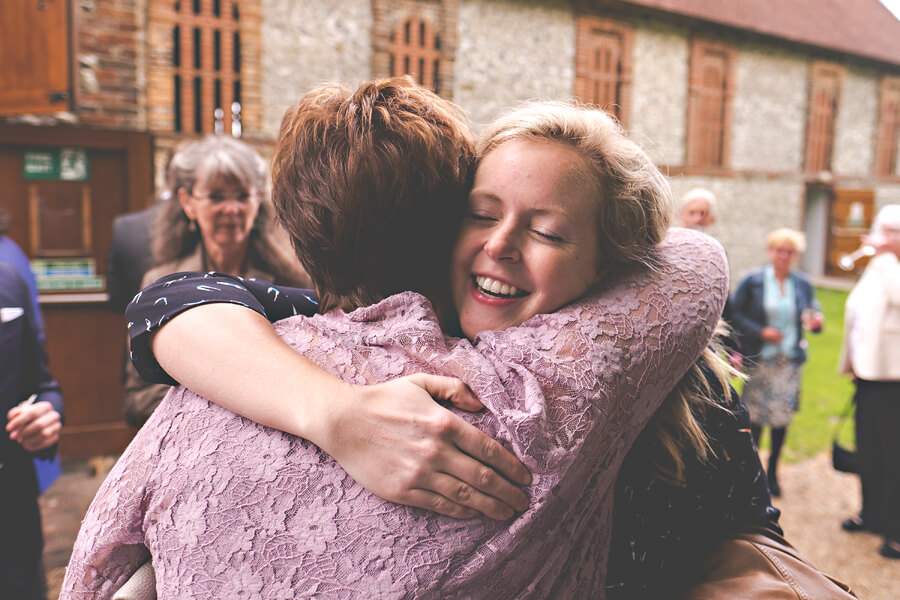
(660, 530)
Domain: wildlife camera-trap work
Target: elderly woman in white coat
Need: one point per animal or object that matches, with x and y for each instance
(871, 355)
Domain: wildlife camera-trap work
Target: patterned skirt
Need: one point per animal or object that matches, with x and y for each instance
(772, 391)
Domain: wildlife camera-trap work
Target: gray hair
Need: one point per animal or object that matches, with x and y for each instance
(220, 157)
(700, 194)
(887, 217)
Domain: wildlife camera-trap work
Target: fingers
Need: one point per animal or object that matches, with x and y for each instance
(490, 452)
(448, 389)
(35, 427)
(440, 504)
(45, 436)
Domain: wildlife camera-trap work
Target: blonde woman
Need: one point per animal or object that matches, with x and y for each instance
(771, 308)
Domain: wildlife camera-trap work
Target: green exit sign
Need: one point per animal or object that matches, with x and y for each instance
(57, 164)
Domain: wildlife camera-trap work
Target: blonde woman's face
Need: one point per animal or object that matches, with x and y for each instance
(224, 211)
(783, 255)
(529, 242)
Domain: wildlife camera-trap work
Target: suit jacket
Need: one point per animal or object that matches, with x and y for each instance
(875, 299)
(23, 371)
(749, 315)
(129, 256)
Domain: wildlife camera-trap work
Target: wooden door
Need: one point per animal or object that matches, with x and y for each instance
(34, 56)
(851, 216)
(85, 340)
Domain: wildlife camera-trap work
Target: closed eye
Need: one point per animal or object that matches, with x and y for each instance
(481, 217)
(548, 236)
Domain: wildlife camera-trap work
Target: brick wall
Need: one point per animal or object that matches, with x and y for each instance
(110, 85)
(769, 115)
(659, 97)
(855, 126)
(309, 42)
(512, 51)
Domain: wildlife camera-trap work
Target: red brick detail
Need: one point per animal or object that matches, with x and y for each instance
(414, 50)
(184, 74)
(710, 96)
(415, 37)
(824, 94)
(888, 126)
(603, 59)
(106, 46)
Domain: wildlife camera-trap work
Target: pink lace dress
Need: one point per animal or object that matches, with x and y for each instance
(229, 508)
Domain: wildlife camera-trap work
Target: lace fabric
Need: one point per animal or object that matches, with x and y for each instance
(229, 508)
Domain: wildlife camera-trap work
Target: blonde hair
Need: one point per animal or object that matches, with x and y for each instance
(677, 425)
(795, 238)
(634, 201)
(635, 207)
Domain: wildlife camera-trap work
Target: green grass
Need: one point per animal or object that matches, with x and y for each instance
(824, 392)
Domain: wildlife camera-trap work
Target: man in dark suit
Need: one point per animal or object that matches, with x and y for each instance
(129, 256)
(31, 413)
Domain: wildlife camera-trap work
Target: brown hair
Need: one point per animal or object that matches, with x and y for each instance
(372, 185)
(229, 159)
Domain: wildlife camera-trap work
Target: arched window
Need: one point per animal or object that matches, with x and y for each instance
(206, 64)
(888, 126)
(709, 104)
(603, 65)
(415, 49)
(824, 91)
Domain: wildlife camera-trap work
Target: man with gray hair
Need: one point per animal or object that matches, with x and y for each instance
(697, 209)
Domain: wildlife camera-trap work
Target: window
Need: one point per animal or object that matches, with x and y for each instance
(888, 125)
(415, 49)
(824, 91)
(206, 60)
(416, 38)
(199, 65)
(603, 64)
(711, 88)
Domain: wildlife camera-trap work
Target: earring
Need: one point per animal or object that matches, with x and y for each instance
(192, 226)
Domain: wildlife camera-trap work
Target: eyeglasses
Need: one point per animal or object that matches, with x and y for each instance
(218, 198)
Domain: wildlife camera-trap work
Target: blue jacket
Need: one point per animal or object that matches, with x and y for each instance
(749, 315)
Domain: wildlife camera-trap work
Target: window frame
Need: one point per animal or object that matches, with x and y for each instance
(888, 133)
(824, 77)
(586, 44)
(698, 153)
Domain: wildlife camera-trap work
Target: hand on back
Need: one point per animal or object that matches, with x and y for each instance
(404, 447)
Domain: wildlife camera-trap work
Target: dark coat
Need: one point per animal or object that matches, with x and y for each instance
(24, 372)
(748, 315)
(129, 256)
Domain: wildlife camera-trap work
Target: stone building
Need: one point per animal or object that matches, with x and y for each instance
(786, 110)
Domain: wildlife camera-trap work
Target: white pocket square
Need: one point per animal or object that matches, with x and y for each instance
(10, 313)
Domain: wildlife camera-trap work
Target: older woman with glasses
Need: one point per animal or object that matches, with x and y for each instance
(771, 307)
(216, 219)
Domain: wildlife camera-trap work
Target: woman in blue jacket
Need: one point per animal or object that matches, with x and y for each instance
(770, 309)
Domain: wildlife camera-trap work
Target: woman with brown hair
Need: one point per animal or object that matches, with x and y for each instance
(566, 390)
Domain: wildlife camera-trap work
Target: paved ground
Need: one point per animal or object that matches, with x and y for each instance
(815, 499)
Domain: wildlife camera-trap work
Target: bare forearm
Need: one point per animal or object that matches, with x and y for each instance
(247, 368)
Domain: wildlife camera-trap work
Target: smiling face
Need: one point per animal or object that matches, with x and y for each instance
(529, 242)
(223, 208)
